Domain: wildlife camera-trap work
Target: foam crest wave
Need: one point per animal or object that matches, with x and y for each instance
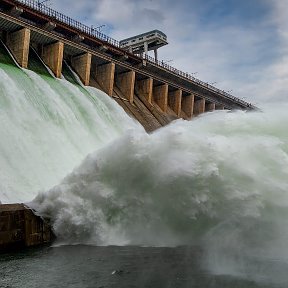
(179, 185)
(47, 127)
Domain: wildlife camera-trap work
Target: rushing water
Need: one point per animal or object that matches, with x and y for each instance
(218, 183)
(47, 127)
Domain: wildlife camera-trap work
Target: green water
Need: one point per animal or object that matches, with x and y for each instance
(48, 126)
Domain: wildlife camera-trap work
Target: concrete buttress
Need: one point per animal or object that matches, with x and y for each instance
(126, 82)
(210, 107)
(18, 42)
(145, 88)
(105, 77)
(174, 101)
(82, 66)
(199, 106)
(20, 227)
(219, 107)
(160, 96)
(52, 55)
(188, 105)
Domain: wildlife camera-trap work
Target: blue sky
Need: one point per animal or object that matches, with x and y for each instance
(240, 44)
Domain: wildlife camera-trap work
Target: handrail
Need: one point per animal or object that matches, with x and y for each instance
(196, 80)
(36, 5)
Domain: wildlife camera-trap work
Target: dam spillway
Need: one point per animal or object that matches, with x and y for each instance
(152, 93)
(216, 184)
(48, 125)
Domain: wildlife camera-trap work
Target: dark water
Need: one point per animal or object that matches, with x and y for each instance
(89, 266)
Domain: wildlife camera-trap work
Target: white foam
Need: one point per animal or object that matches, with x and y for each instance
(158, 189)
(47, 127)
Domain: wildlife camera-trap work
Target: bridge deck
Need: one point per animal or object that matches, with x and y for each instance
(35, 16)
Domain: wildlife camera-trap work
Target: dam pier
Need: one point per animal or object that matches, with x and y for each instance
(149, 90)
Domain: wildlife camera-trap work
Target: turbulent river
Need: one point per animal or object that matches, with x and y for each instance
(218, 183)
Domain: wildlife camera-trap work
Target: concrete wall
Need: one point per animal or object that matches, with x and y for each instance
(145, 88)
(160, 96)
(199, 107)
(126, 81)
(175, 100)
(18, 42)
(82, 66)
(105, 77)
(210, 107)
(52, 55)
(20, 227)
(188, 105)
(219, 107)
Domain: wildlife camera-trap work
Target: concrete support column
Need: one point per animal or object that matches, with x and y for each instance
(210, 107)
(199, 106)
(156, 54)
(219, 107)
(145, 48)
(126, 82)
(18, 42)
(188, 105)
(52, 55)
(160, 96)
(145, 88)
(174, 101)
(105, 77)
(82, 66)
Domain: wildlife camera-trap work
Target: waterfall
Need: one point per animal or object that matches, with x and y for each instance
(48, 126)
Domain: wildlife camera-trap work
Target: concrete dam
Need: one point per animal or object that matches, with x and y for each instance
(47, 43)
(150, 91)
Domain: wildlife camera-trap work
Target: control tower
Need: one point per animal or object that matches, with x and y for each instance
(145, 42)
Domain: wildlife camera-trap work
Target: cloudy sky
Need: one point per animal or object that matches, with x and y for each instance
(242, 45)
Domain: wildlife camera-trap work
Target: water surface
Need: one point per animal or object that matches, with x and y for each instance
(112, 266)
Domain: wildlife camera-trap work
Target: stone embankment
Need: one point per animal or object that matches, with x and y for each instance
(20, 227)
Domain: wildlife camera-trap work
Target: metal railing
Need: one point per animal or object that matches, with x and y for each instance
(53, 14)
(196, 80)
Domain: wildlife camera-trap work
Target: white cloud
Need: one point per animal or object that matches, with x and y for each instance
(115, 12)
(280, 17)
(274, 84)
